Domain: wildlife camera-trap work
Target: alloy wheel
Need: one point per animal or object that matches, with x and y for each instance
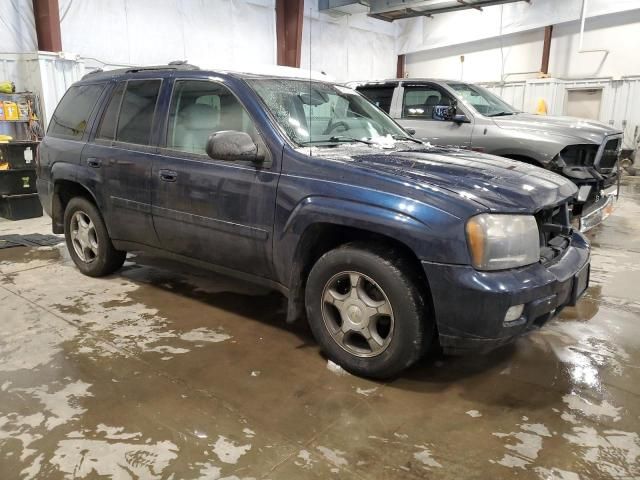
(357, 314)
(84, 237)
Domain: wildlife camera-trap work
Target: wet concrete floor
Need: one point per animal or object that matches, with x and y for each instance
(157, 373)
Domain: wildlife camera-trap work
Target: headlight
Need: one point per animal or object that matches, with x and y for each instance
(498, 242)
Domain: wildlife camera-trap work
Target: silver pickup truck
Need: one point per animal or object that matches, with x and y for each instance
(451, 112)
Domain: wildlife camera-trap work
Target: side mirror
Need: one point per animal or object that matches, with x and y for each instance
(443, 112)
(461, 118)
(233, 145)
(410, 131)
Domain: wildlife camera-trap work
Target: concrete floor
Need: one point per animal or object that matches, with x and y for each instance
(156, 374)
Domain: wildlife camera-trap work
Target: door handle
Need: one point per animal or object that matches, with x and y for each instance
(94, 162)
(168, 175)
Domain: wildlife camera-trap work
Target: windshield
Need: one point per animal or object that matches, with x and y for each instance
(482, 100)
(315, 113)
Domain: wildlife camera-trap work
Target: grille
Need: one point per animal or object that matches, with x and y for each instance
(609, 155)
(579, 155)
(555, 229)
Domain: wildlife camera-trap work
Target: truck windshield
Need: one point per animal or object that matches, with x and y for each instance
(482, 100)
(316, 113)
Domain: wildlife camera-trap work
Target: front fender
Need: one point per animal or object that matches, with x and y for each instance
(526, 143)
(319, 209)
(428, 232)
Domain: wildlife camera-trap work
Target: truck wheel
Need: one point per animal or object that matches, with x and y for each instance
(88, 241)
(366, 310)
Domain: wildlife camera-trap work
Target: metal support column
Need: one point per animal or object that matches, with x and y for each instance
(47, 17)
(400, 69)
(289, 15)
(546, 49)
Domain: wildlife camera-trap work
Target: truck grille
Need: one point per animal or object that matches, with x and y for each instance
(555, 229)
(608, 156)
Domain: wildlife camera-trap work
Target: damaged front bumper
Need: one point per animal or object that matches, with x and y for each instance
(597, 212)
(597, 194)
(471, 306)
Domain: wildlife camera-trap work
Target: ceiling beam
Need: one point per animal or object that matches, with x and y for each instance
(471, 5)
(406, 12)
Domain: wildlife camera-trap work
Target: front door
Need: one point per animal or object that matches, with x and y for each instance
(123, 152)
(419, 112)
(213, 210)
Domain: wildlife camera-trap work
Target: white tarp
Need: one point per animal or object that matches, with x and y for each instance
(348, 47)
(17, 27)
(232, 34)
(465, 26)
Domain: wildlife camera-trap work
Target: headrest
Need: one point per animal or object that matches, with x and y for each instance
(199, 117)
(432, 100)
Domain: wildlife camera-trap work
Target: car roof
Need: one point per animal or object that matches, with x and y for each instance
(130, 72)
(408, 80)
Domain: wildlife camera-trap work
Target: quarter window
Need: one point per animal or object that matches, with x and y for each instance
(420, 102)
(136, 113)
(71, 117)
(200, 108)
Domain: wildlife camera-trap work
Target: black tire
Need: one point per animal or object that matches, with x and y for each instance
(413, 326)
(108, 259)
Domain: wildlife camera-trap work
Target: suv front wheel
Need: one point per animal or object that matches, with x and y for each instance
(366, 310)
(88, 241)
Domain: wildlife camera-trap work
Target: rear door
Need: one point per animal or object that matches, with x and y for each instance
(123, 149)
(419, 102)
(213, 210)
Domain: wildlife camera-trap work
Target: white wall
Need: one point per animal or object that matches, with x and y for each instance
(17, 27)
(233, 34)
(618, 33)
(348, 47)
(521, 50)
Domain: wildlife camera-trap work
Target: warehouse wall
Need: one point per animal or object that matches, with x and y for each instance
(18, 31)
(348, 47)
(522, 52)
(232, 34)
(434, 50)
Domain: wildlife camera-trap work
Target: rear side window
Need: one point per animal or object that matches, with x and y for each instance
(107, 128)
(380, 96)
(72, 114)
(137, 111)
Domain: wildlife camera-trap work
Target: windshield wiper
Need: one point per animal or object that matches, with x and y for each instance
(342, 138)
(337, 139)
(501, 114)
(406, 137)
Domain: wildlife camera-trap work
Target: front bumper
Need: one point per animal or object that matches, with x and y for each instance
(470, 305)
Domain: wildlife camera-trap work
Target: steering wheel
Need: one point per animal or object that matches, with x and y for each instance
(332, 126)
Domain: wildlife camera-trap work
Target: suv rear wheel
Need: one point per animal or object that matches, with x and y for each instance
(88, 241)
(366, 311)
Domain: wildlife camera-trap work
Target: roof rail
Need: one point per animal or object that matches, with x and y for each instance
(175, 65)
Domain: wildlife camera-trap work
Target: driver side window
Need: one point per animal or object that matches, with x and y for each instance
(200, 108)
(420, 102)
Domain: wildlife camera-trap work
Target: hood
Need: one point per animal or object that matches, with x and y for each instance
(496, 183)
(576, 130)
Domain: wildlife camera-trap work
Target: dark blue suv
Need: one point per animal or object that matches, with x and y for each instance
(386, 244)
